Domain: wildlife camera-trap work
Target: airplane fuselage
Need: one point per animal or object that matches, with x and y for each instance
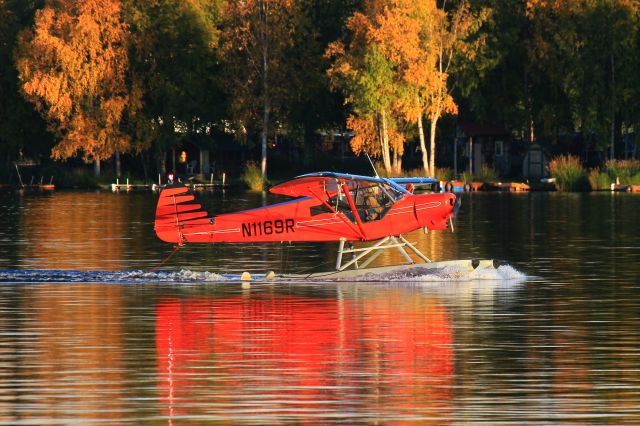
(180, 220)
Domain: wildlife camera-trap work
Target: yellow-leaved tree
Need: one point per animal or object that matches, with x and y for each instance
(405, 36)
(449, 32)
(370, 79)
(425, 38)
(396, 69)
(72, 65)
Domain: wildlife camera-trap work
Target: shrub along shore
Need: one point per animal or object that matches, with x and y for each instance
(571, 175)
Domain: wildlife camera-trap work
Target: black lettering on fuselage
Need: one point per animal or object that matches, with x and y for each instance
(268, 227)
(290, 223)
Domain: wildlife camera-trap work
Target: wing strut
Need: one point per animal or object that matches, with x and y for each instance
(353, 208)
(335, 212)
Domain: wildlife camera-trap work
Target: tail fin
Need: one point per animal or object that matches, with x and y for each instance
(177, 209)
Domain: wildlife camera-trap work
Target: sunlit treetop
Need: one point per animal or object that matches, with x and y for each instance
(72, 65)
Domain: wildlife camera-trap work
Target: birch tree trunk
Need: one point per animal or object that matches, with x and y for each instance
(118, 165)
(161, 160)
(381, 138)
(423, 146)
(394, 165)
(265, 91)
(385, 144)
(432, 145)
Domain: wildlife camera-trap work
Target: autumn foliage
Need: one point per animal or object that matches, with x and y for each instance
(370, 79)
(116, 76)
(73, 66)
(395, 71)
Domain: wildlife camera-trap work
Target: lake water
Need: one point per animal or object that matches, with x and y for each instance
(90, 332)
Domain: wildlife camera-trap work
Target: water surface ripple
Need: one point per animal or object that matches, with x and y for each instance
(89, 334)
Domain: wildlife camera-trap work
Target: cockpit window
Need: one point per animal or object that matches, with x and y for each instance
(372, 200)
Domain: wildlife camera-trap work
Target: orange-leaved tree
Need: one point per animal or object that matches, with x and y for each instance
(424, 39)
(370, 79)
(72, 65)
(450, 31)
(403, 32)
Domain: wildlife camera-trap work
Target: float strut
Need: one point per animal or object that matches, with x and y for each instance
(340, 251)
(375, 251)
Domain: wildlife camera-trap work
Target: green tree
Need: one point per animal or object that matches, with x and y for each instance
(584, 53)
(22, 130)
(310, 104)
(174, 71)
(607, 66)
(493, 86)
(256, 36)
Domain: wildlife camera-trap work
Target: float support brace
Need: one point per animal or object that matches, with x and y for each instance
(375, 251)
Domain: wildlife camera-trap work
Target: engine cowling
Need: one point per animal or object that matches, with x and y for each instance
(434, 210)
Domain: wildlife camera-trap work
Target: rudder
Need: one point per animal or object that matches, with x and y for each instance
(176, 210)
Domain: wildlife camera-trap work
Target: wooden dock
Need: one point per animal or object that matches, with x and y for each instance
(30, 187)
(34, 186)
(117, 187)
(507, 187)
(458, 186)
(625, 188)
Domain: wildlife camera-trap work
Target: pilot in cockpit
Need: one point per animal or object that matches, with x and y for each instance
(373, 203)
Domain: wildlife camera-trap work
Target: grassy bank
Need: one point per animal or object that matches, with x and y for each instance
(623, 172)
(569, 173)
(252, 177)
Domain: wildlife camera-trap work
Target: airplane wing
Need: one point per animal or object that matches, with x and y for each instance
(321, 182)
(303, 186)
(414, 180)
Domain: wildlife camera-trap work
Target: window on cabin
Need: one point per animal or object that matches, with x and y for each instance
(372, 200)
(340, 203)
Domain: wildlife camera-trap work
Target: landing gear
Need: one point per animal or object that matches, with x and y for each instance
(375, 250)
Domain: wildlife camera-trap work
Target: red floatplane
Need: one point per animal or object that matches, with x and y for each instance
(327, 207)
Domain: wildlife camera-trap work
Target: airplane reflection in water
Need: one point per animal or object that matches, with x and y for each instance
(276, 355)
